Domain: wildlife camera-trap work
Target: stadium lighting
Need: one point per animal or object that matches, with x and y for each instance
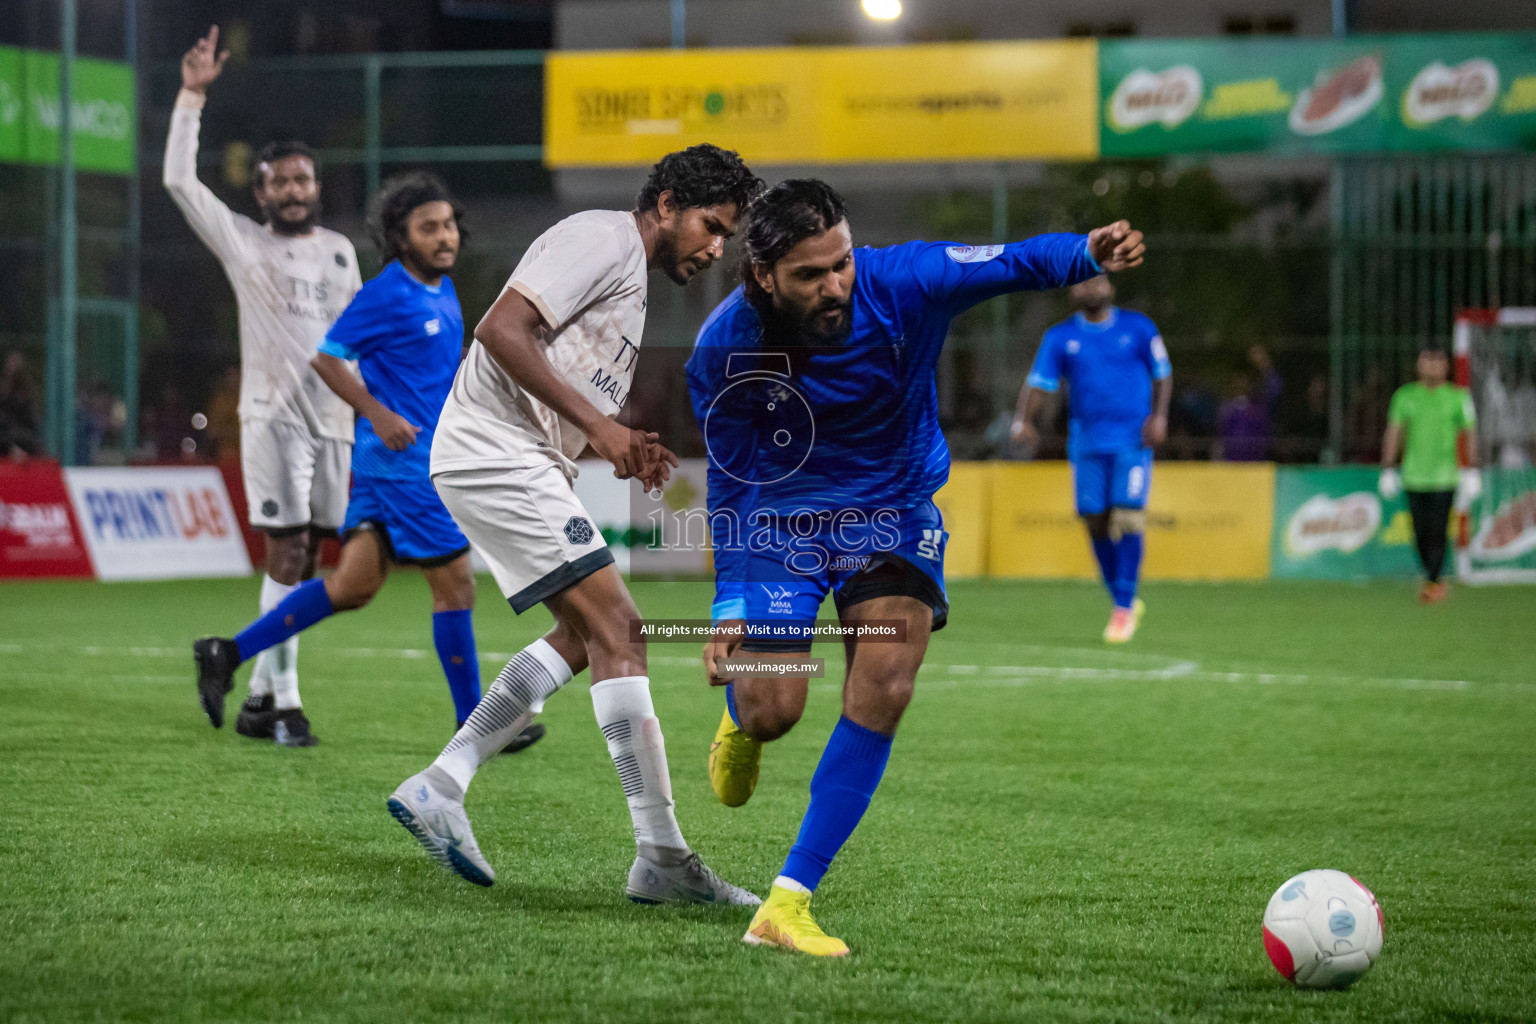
(883, 10)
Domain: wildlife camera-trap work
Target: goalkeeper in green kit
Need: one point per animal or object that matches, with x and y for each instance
(1424, 422)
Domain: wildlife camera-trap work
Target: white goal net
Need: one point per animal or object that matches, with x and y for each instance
(1496, 360)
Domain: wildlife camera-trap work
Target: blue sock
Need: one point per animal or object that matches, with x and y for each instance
(454, 635)
(730, 702)
(844, 782)
(1127, 569)
(1104, 550)
(306, 605)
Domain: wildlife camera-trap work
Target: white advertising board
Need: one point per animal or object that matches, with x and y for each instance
(157, 522)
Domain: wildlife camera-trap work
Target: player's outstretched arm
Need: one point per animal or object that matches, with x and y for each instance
(1027, 414)
(210, 218)
(511, 332)
(1116, 246)
(394, 430)
(1155, 430)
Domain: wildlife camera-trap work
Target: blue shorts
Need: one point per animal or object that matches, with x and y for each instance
(408, 516)
(1106, 480)
(896, 554)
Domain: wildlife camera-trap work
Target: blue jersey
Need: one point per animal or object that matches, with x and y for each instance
(1110, 367)
(849, 430)
(407, 339)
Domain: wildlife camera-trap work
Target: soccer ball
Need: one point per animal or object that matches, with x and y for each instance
(1323, 929)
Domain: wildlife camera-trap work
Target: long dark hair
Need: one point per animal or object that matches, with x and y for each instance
(391, 209)
(783, 217)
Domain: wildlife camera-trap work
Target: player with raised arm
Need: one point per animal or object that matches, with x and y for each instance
(1425, 421)
(292, 278)
(814, 385)
(406, 333)
(1116, 364)
(550, 368)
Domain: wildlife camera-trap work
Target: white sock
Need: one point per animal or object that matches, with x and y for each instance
(280, 664)
(628, 720)
(518, 694)
(272, 592)
(785, 882)
(261, 677)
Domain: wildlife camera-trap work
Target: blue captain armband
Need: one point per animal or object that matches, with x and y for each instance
(337, 349)
(1047, 384)
(730, 608)
(1088, 253)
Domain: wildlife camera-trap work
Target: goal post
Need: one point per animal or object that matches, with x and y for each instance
(1495, 359)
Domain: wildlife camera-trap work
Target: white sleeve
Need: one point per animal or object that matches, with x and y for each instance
(581, 263)
(355, 280)
(216, 224)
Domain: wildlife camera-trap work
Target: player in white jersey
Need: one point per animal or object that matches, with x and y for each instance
(551, 366)
(292, 278)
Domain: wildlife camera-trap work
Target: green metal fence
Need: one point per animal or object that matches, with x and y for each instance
(1414, 240)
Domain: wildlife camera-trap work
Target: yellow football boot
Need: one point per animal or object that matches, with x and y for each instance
(1124, 622)
(784, 920)
(733, 762)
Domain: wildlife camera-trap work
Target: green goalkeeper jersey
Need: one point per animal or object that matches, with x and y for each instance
(1431, 419)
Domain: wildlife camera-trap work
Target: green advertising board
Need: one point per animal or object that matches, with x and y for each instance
(105, 118)
(1331, 524)
(1414, 93)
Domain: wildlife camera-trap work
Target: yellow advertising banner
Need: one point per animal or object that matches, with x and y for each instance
(1205, 521)
(966, 504)
(826, 105)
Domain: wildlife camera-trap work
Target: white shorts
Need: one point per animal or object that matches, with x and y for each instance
(529, 526)
(292, 478)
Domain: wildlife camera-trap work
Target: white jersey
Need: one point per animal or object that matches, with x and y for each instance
(288, 290)
(587, 278)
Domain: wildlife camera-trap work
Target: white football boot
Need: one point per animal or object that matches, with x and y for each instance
(439, 823)
(692, 881)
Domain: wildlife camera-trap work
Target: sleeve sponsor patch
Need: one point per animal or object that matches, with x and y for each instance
(973, 253)
(1159, 350)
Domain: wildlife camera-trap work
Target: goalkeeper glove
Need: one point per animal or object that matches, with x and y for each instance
(1468, 488)
(1390, 485)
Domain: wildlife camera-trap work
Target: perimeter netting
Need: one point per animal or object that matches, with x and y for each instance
(1496, 359)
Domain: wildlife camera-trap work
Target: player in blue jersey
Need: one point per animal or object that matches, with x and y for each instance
(814, 386)
(1120, 379)
(406, 332)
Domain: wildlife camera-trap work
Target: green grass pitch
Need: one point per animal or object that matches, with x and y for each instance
(1066, 832)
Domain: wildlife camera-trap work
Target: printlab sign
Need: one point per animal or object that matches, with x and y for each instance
(161, 523)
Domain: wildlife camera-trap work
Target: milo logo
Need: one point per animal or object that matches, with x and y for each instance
(1143, 97)
(1344, 524)
(1438, 92)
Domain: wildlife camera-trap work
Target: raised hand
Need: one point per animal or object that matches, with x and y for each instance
(1116, 246)
(203, 63)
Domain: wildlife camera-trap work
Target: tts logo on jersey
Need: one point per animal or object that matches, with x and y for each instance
(432, 327)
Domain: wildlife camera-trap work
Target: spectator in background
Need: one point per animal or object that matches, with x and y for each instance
(1305, 431)
(1245, 424)
(224, 417)
(170, 424)
(1365, 419)
(93, 421)
(1192, 419)
(18, 410)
